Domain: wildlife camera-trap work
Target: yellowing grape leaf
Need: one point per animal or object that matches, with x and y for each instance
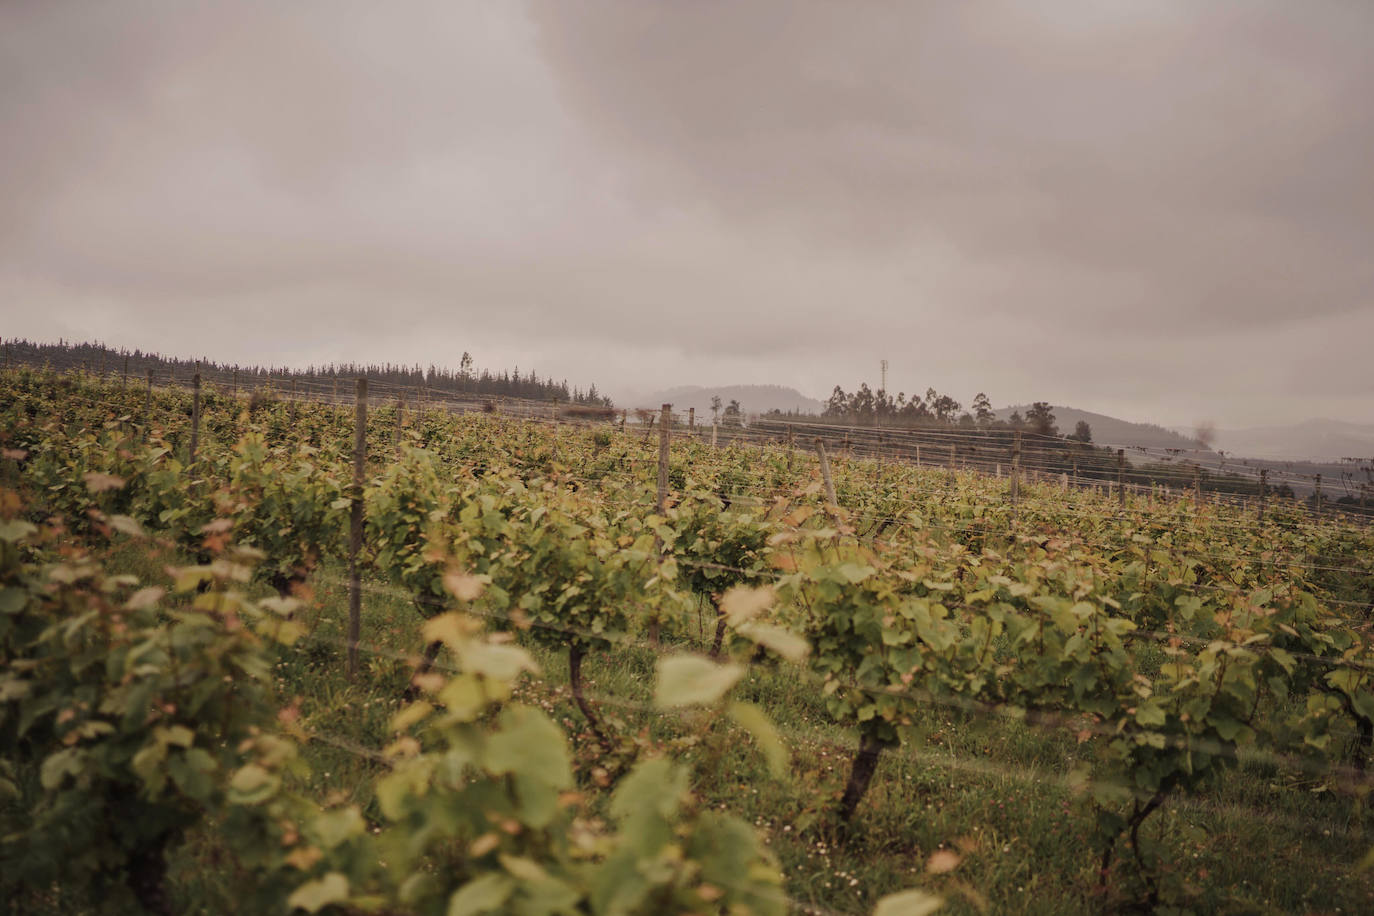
(745, 602)
(690, 680)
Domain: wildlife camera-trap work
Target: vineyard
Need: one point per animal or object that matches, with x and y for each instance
(511, 665)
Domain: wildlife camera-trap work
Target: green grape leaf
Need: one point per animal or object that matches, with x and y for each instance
(755, 721)
(486, 894)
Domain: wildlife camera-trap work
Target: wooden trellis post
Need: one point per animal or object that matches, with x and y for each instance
(1015, 471)
(355, 528)
(1121, 477)
(825, 473)
(664, 436)
(195, 414)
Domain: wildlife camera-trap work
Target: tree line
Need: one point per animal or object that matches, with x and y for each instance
(866, 407)
(465, 379)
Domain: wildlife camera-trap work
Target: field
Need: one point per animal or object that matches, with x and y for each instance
(497, 674)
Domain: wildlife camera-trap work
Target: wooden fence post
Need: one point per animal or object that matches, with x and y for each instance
(1263, 491)
(1015, 471)
(825, 473)
(1197, 486)
(691, 419)
(124, 383)
(355, 528)
(148, 400)
(1317, 497)
(1121, 477)
(195, 414)
(396, 430)
(664, 435)
(715, 427)
(791, 434)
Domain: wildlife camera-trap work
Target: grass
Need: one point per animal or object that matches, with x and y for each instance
(988, 798)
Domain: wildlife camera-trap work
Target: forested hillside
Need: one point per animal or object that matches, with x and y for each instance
(465, 379)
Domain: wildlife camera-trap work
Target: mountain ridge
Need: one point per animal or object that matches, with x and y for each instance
(1112, 431)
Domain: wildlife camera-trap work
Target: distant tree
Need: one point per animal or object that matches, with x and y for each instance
(715, 408)
(1040, 419)
(1082, 432)
(944, 407)
(1016, 421)
(837, 405)
(862, 405)
(915, 410)
(884, 408)
(733, 414)
(982, 409)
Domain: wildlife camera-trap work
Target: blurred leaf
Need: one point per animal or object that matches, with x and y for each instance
(481, 895)
(908, 903)
(755, 721)
(688, 680)
(313, 896)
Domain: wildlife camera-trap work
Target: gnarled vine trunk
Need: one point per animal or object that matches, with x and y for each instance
(147, 877)
(720, 634)
(575, 655)
(860, 775)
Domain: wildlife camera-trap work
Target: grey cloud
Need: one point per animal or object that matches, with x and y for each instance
(1156, 207)
(1205, 157)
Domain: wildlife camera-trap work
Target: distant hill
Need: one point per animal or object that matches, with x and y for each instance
(1111, 431)
(1310, 439)
(753, 399)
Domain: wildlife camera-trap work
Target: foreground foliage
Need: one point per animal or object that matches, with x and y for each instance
(1171, 644)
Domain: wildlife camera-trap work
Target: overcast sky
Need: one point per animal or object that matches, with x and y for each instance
(1159, 210)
